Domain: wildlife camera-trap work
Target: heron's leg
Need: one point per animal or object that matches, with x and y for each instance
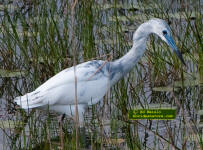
(60, 121)
(61, 118)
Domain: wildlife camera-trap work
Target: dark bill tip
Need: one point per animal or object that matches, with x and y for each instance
(180, 56)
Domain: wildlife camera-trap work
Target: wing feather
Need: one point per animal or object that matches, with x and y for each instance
(60, 88)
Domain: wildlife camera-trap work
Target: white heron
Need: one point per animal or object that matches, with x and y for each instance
(94, 78)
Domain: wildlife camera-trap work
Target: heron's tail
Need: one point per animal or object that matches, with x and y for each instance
(30, 100)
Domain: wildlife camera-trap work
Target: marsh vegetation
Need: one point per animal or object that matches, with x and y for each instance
(40, 38)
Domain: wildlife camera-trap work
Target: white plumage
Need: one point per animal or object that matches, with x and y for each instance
(94, 78)
(59, 91)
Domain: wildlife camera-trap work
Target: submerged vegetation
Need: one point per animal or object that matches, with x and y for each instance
(39, 38)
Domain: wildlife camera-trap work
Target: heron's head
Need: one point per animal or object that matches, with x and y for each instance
(161, 28)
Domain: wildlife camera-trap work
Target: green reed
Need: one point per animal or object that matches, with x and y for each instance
(37, 39)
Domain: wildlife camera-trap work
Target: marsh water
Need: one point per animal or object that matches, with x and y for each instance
(40, 38)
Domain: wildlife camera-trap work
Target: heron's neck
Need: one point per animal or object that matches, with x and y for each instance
(123, 65)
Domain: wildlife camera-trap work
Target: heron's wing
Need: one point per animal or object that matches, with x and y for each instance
(91, 70)
(63, 83)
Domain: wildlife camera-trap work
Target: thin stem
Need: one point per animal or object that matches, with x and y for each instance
(75, 77)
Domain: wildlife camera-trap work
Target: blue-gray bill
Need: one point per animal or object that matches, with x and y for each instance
(172, 44)
(180, 56)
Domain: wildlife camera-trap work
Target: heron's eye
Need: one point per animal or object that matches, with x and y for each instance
(164, 32)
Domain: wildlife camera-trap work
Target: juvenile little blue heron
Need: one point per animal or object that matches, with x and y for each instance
(94, 78)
